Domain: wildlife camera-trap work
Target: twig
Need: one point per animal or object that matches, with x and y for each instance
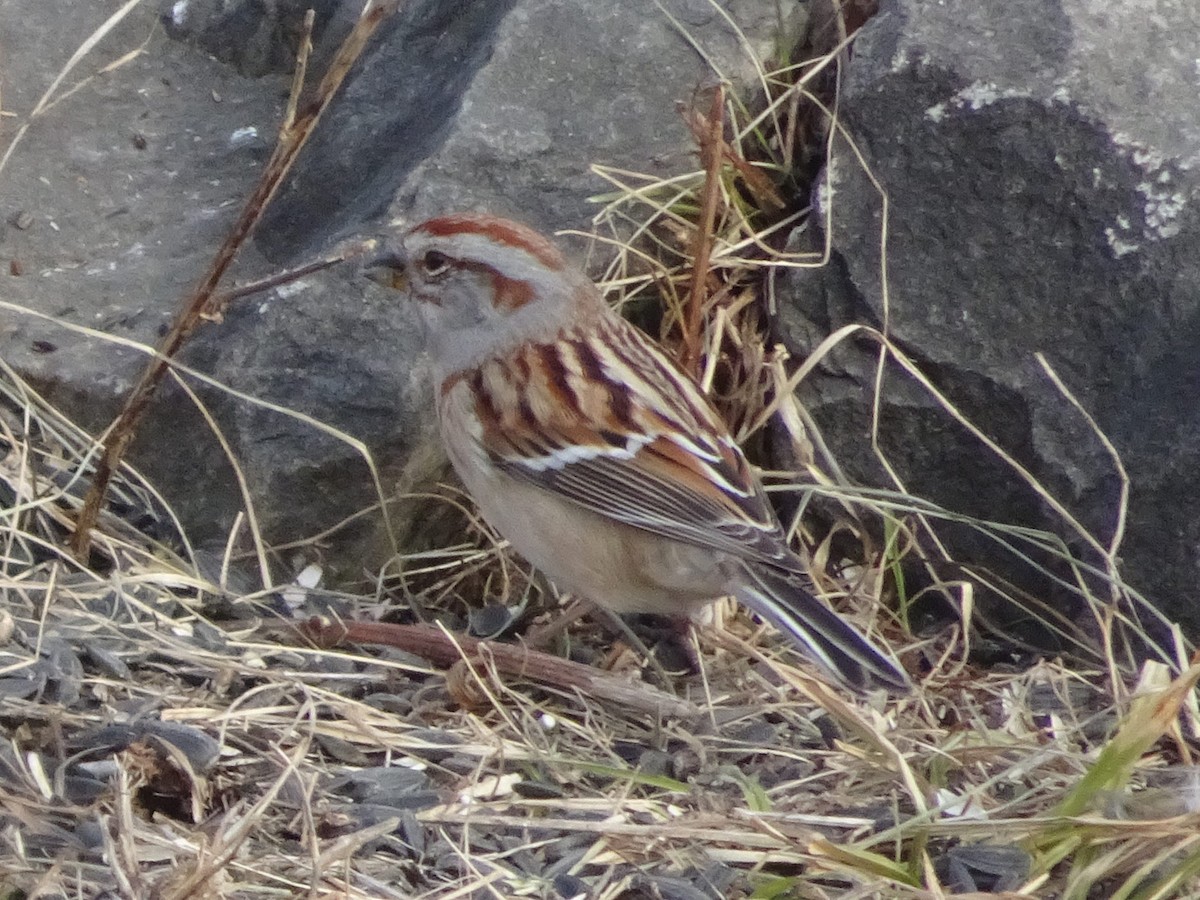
(445, 650)
(204, 304)
(766, 196)
(710, 159)
(287, 276)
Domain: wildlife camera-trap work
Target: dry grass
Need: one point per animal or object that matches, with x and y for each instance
(168, 738)
(777, 786)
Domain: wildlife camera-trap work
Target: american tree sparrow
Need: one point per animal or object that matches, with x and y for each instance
(596, 456)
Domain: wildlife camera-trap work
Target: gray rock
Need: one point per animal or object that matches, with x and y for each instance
(129, 185)
(569, 887)
(1040, 164)
(987, 868)
(504, 105)
(255, 36)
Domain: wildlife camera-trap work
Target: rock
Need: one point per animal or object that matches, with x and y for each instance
(255, 36)
(1040, 165)
(569, 887)
(986, 868)
(129, 185)
(504, 105)
(501, 105)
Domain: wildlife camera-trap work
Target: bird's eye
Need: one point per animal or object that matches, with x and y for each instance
(434, 263)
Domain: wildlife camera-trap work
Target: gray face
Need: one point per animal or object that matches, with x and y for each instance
(481, 294)
(452, 295)
(457, 301)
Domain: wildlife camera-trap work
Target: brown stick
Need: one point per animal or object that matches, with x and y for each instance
(445, 650)
(759, 185)
(710, 158)
(287, 276)
(202, 304)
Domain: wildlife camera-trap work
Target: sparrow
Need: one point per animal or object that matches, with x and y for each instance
(598, 458)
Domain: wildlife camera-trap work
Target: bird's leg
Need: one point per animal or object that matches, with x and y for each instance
(540, 636)
(686, 637)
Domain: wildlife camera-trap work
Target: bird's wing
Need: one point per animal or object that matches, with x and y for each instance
(606, 421)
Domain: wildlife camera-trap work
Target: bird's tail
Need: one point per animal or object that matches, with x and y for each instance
(781, 598)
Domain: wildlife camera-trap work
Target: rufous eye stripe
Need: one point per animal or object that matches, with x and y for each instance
(510, 294)
(499, 231)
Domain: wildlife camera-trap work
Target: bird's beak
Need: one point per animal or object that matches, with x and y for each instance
(388, 267)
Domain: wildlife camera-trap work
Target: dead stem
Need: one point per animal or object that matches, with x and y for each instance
(710, 159)
(203, 304)
(444, 649)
